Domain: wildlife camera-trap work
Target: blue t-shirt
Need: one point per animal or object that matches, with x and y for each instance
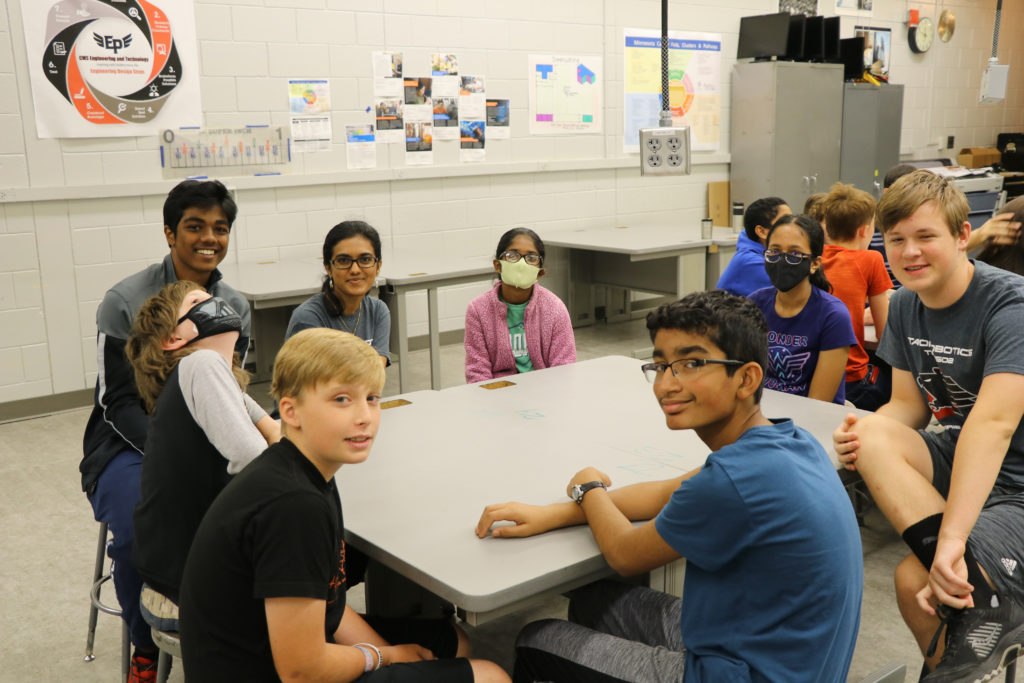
(794, 343)
(745, 272)
(774, 572)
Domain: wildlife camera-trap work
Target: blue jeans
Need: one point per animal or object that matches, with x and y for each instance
(113, 501)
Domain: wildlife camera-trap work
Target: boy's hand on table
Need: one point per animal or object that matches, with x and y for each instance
(529, 520)
(845, 443)
(585, 475)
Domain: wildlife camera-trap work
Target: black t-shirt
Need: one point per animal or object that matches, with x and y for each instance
(275, 531)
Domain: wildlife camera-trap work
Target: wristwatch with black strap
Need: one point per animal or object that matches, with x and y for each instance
(580, 490)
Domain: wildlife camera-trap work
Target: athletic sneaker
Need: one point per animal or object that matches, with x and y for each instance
(980, 642)
(143, 670)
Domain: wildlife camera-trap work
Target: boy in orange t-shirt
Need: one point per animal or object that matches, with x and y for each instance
(857, 276)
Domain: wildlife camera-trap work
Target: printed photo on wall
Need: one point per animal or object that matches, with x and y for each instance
(417, 90)
(808, 8)
(443, 65)
(877, 49)
(419, 139)
(446, 118)
(498, 119)
(857, 8)
(388, 116)
(471, 140)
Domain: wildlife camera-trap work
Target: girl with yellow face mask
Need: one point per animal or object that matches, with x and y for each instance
(518, 325)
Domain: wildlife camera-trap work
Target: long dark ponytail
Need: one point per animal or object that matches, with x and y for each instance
(816, 239)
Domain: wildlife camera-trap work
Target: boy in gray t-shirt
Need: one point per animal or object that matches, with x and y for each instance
(957, 497)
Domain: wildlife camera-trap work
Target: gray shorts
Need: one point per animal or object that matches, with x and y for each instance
(997, 539)
(617, 632)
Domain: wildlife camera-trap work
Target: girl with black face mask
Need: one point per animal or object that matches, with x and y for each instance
(809, 330)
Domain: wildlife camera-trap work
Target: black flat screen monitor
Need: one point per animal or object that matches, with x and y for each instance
(831, 40)
(763, 36)
(852, 53)
(814, 39)
(795, 41)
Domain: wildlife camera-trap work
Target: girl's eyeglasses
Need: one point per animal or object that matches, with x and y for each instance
(344, 261)
(793, 258)
(531, 259)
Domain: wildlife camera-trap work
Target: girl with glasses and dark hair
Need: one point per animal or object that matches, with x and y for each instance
(809, 330)
(351, 257)
(518, 325)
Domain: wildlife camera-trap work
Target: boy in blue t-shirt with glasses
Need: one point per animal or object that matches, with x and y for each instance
(774, 569)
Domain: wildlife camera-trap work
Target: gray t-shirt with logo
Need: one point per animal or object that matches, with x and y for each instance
(949, 351)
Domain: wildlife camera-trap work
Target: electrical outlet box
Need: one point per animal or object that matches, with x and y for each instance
(665, 151)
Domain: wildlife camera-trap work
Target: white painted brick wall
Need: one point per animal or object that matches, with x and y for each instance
(247, 50)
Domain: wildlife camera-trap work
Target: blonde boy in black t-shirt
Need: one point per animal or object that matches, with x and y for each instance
(263, 595)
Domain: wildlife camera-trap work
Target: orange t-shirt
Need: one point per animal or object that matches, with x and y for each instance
(855, 274)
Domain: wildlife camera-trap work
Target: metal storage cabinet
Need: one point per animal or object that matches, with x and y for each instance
(872, 119)
(786, 129)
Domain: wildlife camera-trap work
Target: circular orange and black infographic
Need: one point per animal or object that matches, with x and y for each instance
(114, 60)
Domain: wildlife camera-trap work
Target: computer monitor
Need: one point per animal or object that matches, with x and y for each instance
(851, 51)
(830, 43)
(795, 39)
(763, 36)
(814, 39)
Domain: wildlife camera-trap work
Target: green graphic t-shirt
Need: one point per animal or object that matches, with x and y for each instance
(517, 334)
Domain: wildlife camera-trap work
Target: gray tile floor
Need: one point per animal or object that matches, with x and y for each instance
(48, 544)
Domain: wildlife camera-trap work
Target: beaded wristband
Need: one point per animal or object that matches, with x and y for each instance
(380, 656)
(369, 658)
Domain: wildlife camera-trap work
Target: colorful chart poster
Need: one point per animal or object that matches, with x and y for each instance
(106, 68)
(565, 94)
(694, 85)
(309, 103)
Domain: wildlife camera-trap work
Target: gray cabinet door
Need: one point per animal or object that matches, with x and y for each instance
(872, 121)
(786, 123)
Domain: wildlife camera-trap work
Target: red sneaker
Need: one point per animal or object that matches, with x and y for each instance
(143, 670)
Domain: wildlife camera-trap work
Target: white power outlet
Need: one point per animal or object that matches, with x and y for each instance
(665, 151)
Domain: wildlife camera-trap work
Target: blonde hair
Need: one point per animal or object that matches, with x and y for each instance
(911, 191)
(845, 209)
(319, 355)
(154, 324)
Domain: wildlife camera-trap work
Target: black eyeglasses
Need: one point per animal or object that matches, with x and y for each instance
(344, 261)
(513, 256)
(793, 258)
(684, 368)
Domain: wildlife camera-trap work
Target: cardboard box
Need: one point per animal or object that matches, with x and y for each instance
(718, 203)
(976, 157)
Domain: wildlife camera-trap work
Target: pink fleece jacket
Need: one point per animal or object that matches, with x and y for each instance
(549, 337)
